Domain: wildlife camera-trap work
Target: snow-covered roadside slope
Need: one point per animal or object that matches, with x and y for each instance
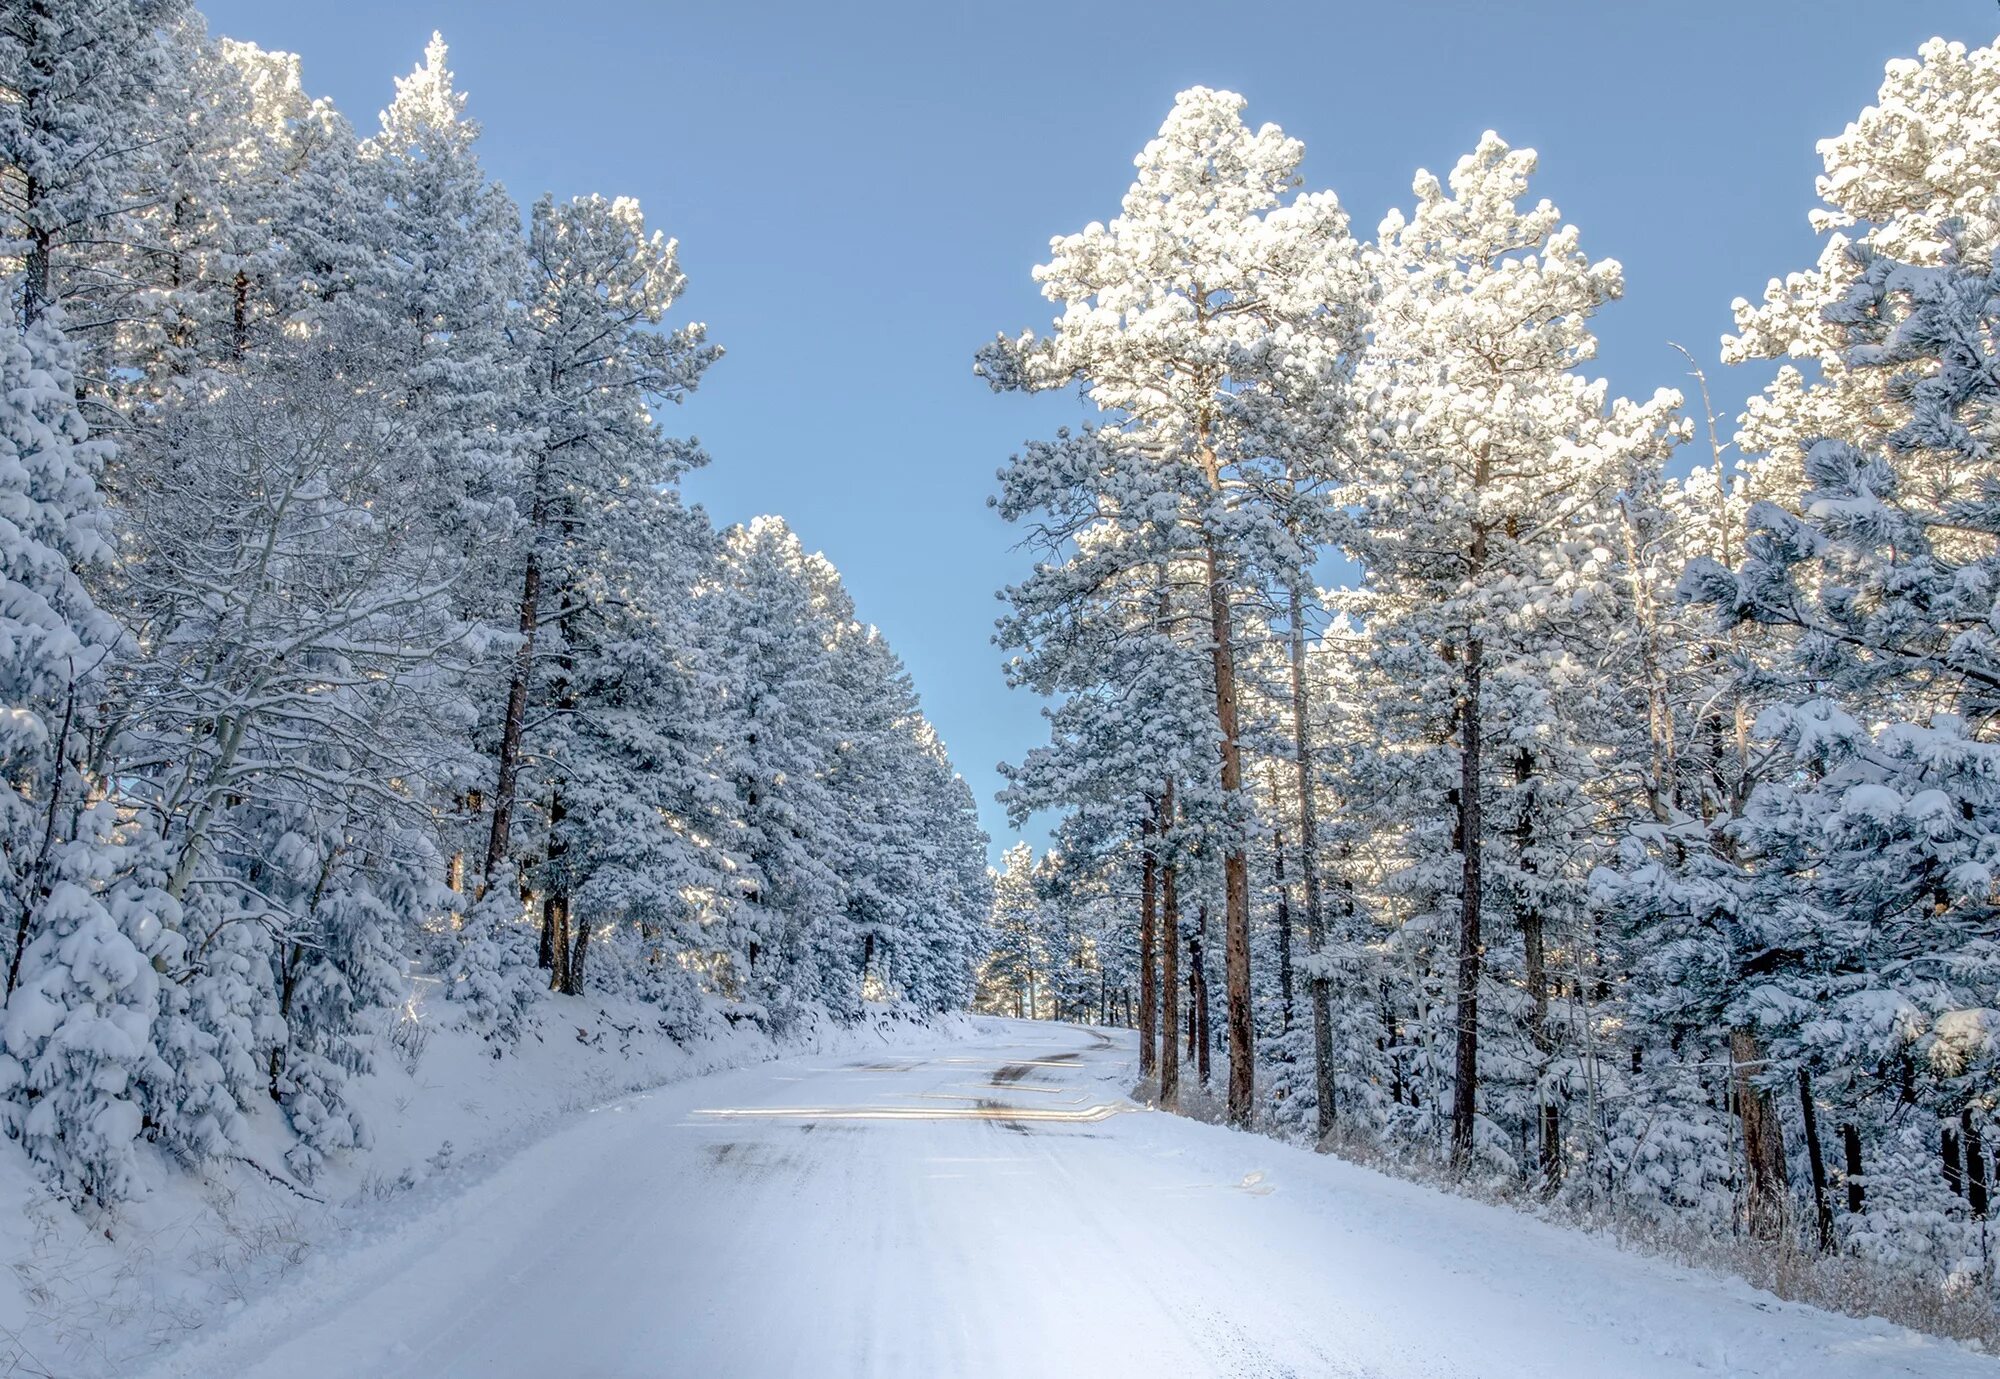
(84, 1301)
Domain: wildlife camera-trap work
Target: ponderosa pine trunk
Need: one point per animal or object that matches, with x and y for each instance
(1850, 1148)
(1235, 865)
(507, 776)
(38, 264)
(579, 950)
(1148, 959)
(1318, 986)
(1192, 1034)
(1536, 974)
(1975, 1163)
(1284, 921)
(555, 903)
(1763, 1140)
(1170, 946)
(1471, 841)
(1204, 1032)
(1816, 1162)
(1465, 1068)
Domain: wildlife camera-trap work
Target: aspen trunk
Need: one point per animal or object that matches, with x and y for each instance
(1763, 1141)
(1318, 988)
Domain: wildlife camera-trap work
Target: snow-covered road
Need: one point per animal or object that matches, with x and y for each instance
(995, 1208)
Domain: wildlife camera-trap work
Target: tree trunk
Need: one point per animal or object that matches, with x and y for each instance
(36, 891)
(1822, 1204)
(288, 983)
(1536, 974)
(555, 939)
(1465, 1076)
(1857, 1191)
(507, 776)
(1169, 1063)
(1204, 1032)
(1235, 868)
(1763, 1140)
(1318, 987)
(1193, 1033)
(38, 265)
(1975, 1164)
(1149, 867)
(579, 949)
(1954, 1167)
(1284, 929)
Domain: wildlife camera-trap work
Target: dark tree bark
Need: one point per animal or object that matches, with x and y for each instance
(1192, 1035)
(1170, 945)
(1763, 1140)
(1465, 1074)
(579, 949)
(1822, 1203)
(1149, 866)
(1235, 866)
(555, 938)
(1536, 974)
(1850, 1144)
(1975, 1164)
(1318, 988)
(507, 776)
(1284, 918)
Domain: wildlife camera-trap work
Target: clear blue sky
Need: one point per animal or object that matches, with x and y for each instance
(861, 189)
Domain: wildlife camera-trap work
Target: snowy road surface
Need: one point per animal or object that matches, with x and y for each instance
(995, 1208)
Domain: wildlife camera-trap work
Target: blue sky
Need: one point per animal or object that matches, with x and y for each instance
(861, 190)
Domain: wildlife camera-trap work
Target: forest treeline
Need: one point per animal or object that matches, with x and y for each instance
(355, 640)
(1625, 830)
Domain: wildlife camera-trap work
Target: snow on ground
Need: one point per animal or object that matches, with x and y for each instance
(989, 1207)
(444, 1113)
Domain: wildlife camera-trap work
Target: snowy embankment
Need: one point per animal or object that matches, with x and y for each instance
(89, 1300)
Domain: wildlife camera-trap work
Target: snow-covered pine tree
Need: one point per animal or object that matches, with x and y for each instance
(1205, 321)
(1856, 949)
(597, 364)
(1480, 517)
(1013, 979)
(81, 125)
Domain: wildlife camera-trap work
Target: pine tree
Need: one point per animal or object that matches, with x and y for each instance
(1203, 321)
(599, 286)
(1480, 523)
